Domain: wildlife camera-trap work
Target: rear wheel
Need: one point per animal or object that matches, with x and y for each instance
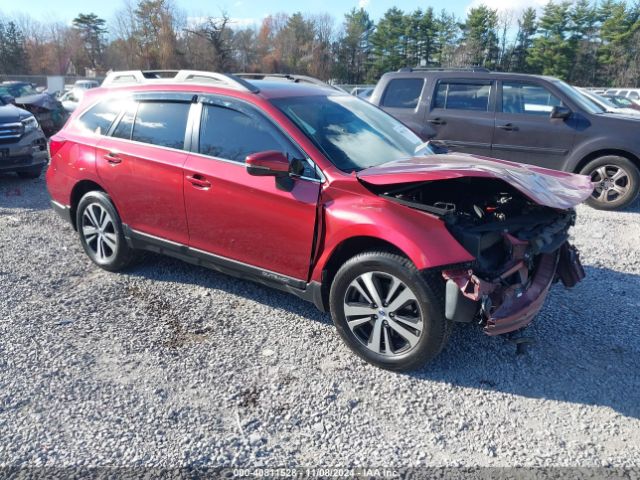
(101, 234)
(616, 180)
(388, 312)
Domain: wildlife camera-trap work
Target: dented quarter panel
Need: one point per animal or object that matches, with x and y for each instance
(546, 187)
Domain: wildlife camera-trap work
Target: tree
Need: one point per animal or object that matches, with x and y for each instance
(526, 30)
(447, 33)
(354, 45)
(12, 48)
(92, 30)
(550, 53)
(217, 34)
(389, 43)
(480, 38)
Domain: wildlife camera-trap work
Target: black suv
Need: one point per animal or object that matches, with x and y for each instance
(522, 118)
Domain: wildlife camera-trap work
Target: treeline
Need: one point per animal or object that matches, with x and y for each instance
(583, 42)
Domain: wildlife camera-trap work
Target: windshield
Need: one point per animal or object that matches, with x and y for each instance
(578, 98)
(352, 133)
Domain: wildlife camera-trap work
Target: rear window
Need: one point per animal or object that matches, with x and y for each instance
(98, 119)
(161, 123)
(462, 96)
(634, 95)
(403, 93)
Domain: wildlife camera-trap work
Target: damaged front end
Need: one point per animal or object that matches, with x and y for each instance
(520, 248)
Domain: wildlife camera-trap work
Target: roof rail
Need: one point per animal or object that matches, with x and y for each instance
(177, 76)
(444, 69)
(284, 76)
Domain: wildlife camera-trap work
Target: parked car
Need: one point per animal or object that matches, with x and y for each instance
(523, 118)
(71, 99)
(85, 84)
(305, 188)
(362, 92)
(607, 105)
(632, 93)
(23, 146)
(45, 107)
(623, 102)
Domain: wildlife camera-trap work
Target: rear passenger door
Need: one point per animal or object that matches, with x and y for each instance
(244, 218)
(141, 162)
(462, 114)
(525, 131)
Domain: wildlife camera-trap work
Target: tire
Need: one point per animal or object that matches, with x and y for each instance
(399, 345)
(31, 173)
(611, 193)
(101, 234)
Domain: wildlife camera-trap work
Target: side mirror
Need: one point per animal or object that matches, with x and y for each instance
(268, 164)
(560, 111)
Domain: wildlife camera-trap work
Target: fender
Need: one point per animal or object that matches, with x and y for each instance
(590, 145)
(423, 237)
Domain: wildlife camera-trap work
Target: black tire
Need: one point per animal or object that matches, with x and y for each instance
(605, 198)
(116, 252)
(427, 304)
(32, 173)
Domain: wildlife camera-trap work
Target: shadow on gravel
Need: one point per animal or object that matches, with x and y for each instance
(17, 192)
(587, 341)
(586, 350)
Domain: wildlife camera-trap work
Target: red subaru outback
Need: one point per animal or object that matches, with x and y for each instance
(310, 190)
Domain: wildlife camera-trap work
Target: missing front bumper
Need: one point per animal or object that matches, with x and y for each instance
(504, 308)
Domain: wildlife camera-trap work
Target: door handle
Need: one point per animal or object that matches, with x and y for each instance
(436, 121)
(198, 181)
(112, 158)
(509, 127)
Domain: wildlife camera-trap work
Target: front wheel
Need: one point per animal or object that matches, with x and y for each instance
(616, 180)
(100, 231)
(388, 312)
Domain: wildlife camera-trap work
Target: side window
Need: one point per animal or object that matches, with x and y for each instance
(462, 96)
(230, 134)
(161, 123)
(123, 130)
(527, 98)
(634, 95)
(403, 93)
(98, 119)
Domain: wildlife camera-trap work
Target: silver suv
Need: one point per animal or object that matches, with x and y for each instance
(23, 146)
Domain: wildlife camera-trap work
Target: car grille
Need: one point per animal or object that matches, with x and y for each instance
(10, 132)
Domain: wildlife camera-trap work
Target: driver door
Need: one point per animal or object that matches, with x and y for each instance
(240, 217)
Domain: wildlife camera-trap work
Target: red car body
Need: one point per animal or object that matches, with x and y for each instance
(217, 214)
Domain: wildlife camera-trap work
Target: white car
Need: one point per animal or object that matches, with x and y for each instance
(631, 93)
(71, 99)
(85, 84)
(606, 105)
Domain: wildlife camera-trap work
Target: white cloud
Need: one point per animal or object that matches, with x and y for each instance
(363, 3)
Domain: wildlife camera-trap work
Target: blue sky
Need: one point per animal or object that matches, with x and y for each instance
(245, 11)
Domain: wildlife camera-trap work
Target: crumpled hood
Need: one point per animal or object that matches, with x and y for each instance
(42, 100)
(551, 188)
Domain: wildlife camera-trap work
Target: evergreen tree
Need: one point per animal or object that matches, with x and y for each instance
(527, 26)
(550, 53)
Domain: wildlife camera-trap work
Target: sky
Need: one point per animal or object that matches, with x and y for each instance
(246, 12)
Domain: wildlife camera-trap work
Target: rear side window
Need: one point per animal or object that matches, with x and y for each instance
(161, 123)
(232, 135)
(98, 119)
(403, 93)
(527, 98)
(462, 96)
(634, 95)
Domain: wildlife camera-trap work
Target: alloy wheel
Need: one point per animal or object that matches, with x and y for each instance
(383, 313)
(99, 232)
(611, 183)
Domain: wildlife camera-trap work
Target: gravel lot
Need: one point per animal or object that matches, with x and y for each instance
(172, 365)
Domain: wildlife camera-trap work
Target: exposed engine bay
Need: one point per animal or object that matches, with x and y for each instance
(520, 248)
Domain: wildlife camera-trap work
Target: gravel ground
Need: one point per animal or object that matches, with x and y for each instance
(171, 365)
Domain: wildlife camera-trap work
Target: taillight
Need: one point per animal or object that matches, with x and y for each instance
(55, 144)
